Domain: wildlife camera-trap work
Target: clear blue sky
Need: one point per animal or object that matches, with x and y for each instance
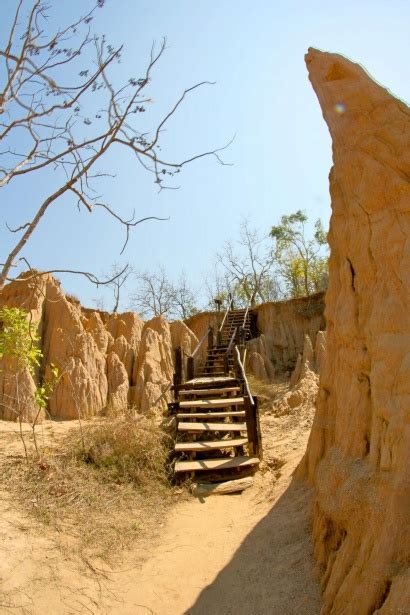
(282, 152)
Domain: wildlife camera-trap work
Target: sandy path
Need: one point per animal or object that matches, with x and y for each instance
(240, 554)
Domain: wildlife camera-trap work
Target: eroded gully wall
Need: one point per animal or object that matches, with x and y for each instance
(282, 327)
(359, 449)
(106, 361)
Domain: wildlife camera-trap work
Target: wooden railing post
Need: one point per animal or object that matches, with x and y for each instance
(190, 368)
(253, 426)
(178, 373)
(210, 338)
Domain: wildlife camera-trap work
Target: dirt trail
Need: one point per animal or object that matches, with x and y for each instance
(240, 554)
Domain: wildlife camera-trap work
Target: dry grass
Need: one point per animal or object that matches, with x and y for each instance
(268, 392)
(103, 487)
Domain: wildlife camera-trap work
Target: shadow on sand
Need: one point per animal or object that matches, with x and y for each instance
(273, 571)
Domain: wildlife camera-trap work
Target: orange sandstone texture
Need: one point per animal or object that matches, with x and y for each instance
(106, 361)
(282, 327)
(359, 449)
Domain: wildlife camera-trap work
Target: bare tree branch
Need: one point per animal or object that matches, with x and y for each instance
(90, 276)
(62, 129)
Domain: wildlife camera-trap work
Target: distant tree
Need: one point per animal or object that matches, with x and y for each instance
(118, 277)
(154, 294)
(217, 288)
(184, 299)
(300, 261)
(157, 295)
(61, 112)
(248, 264)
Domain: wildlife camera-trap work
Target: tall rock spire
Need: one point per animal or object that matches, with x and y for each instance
(358, 452)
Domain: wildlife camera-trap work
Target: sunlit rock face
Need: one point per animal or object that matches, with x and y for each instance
(285, 324)
(359, 449)
(281, 328)
(106, 362)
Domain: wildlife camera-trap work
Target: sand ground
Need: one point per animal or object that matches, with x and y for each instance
(238, 554)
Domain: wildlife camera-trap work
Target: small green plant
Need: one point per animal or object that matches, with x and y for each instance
(19, 341)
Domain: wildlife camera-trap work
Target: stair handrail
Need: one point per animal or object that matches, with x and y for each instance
(226, 314)
(242, 370)
(200, 343)
(245, 317)
(228, 350)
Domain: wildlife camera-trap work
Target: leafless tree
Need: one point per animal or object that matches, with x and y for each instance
(218, 287)
(50, 122)
(248, 263)
(184, 299)
(154, 295)
(157, 295)
(118, 277)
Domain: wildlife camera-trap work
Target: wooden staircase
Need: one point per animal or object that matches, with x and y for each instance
(235, 329)
(218, 432)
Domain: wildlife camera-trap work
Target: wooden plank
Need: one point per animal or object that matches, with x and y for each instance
(212, 403)
(197, 427)
(215, 464)
(208, 380)
(209, 415)
(202, 490)
(220, 391)
(211, 374)
(209, 446)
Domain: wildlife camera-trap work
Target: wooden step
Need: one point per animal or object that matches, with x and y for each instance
(211, 374)
(209, 415)
(180, 447)
(216, 464)
(204, 427)
(209, 380)
(215, 363)
(212, 403)
(236, 322)
(217, 359)
(215, 391)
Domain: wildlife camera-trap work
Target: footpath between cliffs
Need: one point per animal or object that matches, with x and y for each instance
(242, 554)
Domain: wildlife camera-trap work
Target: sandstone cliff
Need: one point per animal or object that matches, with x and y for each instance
(358, 452)
(285, 325)
(106, 361)
(282, 327)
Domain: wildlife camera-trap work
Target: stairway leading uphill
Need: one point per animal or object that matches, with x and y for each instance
(218, 431)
